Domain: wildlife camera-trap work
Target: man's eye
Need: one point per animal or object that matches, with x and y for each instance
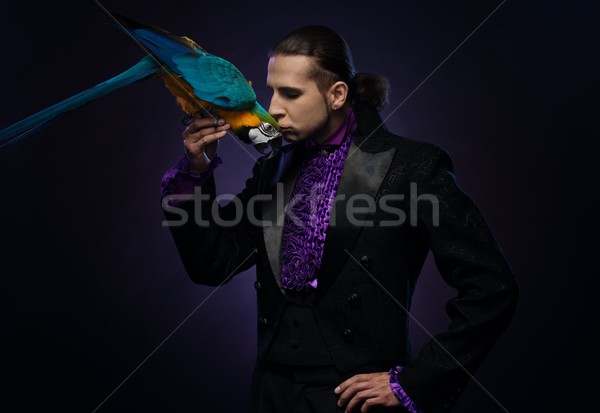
(292, 95)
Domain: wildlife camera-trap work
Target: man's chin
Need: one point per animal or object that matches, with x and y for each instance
(291, 137)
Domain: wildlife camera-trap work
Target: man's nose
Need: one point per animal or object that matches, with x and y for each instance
(275, 109)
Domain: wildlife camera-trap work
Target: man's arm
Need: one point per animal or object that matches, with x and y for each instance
(209, 251)
(214, 242)
(180, 180)
(470, 260)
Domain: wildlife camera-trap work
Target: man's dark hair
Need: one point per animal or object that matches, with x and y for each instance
(333, 63)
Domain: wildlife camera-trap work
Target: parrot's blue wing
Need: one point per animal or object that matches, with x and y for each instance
(216, 80)
(213, 79)
(162, 44)
(164, 48)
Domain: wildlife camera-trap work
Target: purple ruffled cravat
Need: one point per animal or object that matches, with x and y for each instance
(310, 205)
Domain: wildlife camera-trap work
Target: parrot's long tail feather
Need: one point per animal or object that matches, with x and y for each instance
(143, 69)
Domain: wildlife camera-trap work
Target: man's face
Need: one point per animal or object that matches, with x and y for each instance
(297, 104)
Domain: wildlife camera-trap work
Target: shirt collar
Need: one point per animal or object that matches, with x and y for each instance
(346, 128)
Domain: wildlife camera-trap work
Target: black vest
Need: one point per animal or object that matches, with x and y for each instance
(298, 340)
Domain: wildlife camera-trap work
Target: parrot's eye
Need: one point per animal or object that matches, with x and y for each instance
(267, 129)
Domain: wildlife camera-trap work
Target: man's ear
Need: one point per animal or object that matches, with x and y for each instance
(338, 93)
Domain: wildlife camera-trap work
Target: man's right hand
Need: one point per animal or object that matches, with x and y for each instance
(201, 140)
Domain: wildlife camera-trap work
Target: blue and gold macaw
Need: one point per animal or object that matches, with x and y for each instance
(201, 82)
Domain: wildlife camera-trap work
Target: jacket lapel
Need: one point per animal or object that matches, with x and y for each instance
(362, 177)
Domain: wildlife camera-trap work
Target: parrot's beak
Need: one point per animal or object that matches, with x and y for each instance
(274, 144)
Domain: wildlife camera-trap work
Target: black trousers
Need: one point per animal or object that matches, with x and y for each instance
(277, 388)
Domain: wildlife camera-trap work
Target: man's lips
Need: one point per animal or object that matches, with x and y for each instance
(286, 129)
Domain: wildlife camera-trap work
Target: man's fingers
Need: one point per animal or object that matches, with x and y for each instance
(352, 391)
(203, 125)
(206, 140)
(360, 378)
(361, 397)
(371, 403)
(196, 145)
(198, 124)
(205, 134)
(201, 136)
(343, 386)
(362, 387)
(367, 399)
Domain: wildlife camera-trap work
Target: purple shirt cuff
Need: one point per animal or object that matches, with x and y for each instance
(178, 180)
(400, 393)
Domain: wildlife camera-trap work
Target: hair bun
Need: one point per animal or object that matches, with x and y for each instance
(371, 89)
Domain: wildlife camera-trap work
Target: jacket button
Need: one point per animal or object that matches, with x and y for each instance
(348, 334)
(364, 261)
(295, 344)
(354, 300)
(296, 322)
(263, 322)
(257, 285)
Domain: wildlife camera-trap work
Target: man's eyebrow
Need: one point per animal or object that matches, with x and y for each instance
(284, 88)
(287, 89)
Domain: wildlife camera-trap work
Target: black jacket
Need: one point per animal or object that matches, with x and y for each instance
(368, 273)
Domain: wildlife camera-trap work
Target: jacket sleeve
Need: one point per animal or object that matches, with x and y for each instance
(214, 242)
(470, 260)
(180, 180)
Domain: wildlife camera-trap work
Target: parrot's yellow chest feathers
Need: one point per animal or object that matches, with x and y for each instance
(238, 119)
(184, 93)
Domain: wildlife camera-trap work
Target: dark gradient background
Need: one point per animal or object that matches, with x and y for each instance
(92, 283)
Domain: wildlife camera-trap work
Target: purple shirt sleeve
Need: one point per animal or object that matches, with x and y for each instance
(179, 180)
(400, 393)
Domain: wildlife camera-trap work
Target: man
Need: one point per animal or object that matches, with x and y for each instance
(335, 279)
